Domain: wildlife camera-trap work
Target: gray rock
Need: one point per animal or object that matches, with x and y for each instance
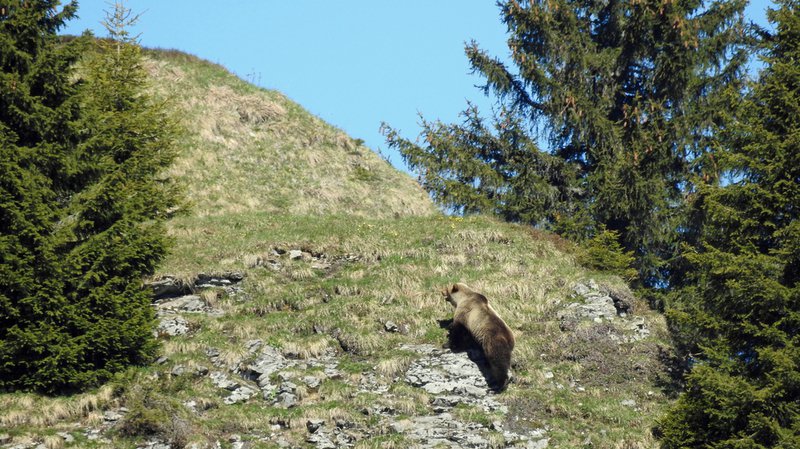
(443, 373)
(538, 444)
(595, 305)
(636, 330)
(187, 303)
(253, 345)
(155, 445)
(167, 286)
(287, 387)
(240, 394)
(268, 362)
(111, 416)
(321, 441)
(314, 424)
(311, 382)
(5, 438)
(221, 380)
(178, 370)
(295, 254)
(622, 297)
(68, 438)
(286, 400)
(401, 426)
(628, 403)
(218, 280)
(391, 326)
(172, 326)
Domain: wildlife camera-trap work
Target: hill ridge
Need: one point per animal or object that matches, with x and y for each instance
(249, 148)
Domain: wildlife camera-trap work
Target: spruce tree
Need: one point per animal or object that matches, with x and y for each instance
(738, 315)
(88, 316)
(38, 109)
(624, 91)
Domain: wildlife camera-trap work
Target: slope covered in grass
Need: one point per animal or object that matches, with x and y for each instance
(251, 149)
(343, 259)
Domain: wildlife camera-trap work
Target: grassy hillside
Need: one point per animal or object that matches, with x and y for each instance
(250, 149)
(343, 259)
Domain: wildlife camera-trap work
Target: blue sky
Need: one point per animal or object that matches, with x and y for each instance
(354, 63)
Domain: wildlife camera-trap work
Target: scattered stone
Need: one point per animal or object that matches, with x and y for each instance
(268, 362)
(218, 280)
(538, 444)
(5, 438)
(155, 445)
(343, 424)
(111, 416)
(286, 400)
(622, 297)
(594, 305)
(220, 380)
(311, 382)
(178, 370)
(187, 303)
(295, 254)
(443, 373)
(314, 424)
(628, 403)
(390, 326)
(240, 394)
(173, 326)
(166, 287)
(68, 438)
(162, 360)
(401, 426)
(253, 345)
(321, 441)
(637, 330)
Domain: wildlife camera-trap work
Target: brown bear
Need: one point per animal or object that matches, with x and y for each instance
(475, 320)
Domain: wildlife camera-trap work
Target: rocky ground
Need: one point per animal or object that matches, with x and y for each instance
(452, 384)
(451, 380)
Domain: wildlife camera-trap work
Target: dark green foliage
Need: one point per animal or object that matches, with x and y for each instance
(470, 168)
(737, 314)
(624, 90)
(604, 252)
(81, 205)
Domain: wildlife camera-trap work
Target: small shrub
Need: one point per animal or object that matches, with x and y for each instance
(604, 252)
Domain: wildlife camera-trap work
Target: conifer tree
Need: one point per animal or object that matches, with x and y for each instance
(104, 231)
(738, 315)
(625, 92)
(38, 109)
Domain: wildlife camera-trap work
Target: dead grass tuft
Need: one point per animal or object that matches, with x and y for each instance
(391, 367)
(307, 349)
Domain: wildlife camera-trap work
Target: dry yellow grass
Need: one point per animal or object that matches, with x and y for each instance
(293, 161)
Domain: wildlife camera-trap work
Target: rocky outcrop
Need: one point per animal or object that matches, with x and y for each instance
(604, 304)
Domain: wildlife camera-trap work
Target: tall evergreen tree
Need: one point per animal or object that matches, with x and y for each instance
(88, 316)
(739, 310)
(625, 92)
(38, 109)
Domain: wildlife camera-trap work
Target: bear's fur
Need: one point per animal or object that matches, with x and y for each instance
(474, 319)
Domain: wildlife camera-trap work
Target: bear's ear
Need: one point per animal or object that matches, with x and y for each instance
(445, 292)
(455, 288)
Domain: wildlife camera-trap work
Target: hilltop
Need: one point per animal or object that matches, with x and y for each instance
(252, 149)
(300, 307)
